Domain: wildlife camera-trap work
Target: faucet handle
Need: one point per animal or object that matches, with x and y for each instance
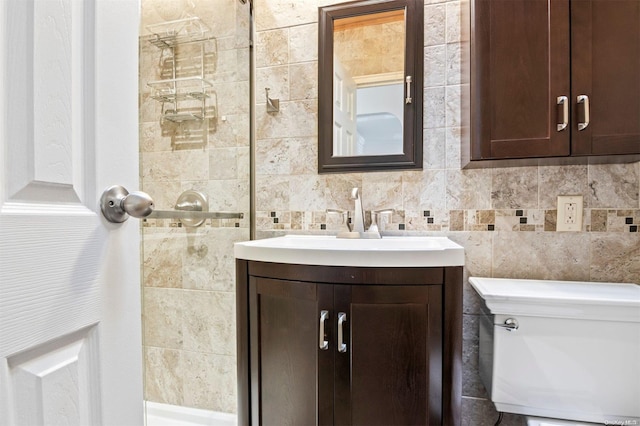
(374, 220)
(342, 213)
(373, 231)
(349, 232)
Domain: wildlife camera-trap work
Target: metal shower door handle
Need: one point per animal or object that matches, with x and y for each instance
(117, 204)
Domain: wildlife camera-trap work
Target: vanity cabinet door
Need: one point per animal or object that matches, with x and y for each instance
(401, 363)
(390, 370)
(292, 378)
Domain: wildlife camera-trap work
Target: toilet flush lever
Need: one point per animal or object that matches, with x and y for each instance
(511, 324)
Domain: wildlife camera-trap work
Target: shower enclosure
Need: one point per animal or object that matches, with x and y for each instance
(194, 157)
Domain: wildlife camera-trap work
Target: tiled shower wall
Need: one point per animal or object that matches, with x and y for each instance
(504, 217)
(188, 273)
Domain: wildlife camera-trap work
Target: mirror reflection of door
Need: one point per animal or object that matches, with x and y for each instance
(344, 113)
(369, 60)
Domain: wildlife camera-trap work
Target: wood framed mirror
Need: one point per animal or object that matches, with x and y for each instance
(370, 75)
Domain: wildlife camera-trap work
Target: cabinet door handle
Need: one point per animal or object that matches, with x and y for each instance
(584, 99)
(324, 344)
(564, 101)
(408, 99)
(342, 318)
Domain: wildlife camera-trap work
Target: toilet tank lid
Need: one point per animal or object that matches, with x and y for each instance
(565, 299)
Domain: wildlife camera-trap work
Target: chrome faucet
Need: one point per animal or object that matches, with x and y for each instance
(356, 228)
(358, 216)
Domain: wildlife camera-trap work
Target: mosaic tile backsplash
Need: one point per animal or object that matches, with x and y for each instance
(595, 220)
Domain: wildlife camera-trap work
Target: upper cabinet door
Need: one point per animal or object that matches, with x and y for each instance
(520, 69)
(605, 55)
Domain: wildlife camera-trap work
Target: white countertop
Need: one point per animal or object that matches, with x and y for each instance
(332, 251)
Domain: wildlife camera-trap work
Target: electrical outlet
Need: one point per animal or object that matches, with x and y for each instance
(569, 213)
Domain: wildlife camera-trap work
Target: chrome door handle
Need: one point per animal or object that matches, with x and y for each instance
(564, 101)
(117, 204)
(408, 99)
(324, 344)
(584, 99)
(342, 318)
(511, 324)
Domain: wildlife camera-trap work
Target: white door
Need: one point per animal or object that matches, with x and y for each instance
(70, 340)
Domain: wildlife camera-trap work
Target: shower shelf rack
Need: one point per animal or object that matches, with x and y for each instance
(181, 31)
(176, 90)
(188, 95)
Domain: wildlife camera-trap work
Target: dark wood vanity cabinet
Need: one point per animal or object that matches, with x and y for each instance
(538, 64)
(389, 354)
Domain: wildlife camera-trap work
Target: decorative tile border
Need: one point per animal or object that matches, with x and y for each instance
(516, 220)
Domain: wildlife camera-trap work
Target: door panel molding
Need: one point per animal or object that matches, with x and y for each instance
(47, 94)
(55, 382)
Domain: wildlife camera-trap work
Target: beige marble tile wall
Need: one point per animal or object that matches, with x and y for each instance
(505, 218)
(188, 273)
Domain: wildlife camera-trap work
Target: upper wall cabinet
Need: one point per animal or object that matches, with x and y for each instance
(554, 78)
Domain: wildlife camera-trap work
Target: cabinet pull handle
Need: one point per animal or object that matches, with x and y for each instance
(324, 344)
(408, 99)
(564, 101)
(584, 99)
(342, 318)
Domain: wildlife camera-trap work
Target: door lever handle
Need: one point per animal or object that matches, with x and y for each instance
(117, 204)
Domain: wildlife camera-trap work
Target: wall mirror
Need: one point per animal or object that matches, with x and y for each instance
(370, 66)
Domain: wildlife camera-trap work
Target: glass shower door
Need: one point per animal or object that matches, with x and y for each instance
(194, 138)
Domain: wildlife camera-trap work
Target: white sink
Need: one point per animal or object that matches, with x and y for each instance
(332, 251)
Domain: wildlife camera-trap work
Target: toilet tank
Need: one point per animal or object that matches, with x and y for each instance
(575, 353)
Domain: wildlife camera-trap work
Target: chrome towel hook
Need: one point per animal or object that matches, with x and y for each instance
(273, 105)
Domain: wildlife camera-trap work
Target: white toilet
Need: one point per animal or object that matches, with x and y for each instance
(561, 352)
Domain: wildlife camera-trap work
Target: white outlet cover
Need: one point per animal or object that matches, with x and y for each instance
(569, 213)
